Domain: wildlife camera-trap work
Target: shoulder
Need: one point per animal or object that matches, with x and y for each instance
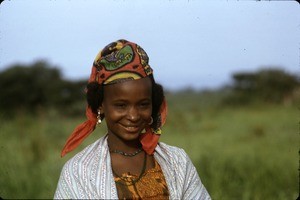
(84, 158)
(173, 156)
(180, 172)
(82, 172)
(171, 151)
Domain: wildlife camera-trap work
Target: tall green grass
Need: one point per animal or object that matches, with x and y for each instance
(240, 152)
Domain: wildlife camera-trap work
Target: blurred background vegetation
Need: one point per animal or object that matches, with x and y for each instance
(243, 138)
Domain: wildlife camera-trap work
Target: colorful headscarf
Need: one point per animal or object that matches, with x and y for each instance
(119, 61)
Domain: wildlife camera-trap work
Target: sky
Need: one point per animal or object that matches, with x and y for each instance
(197, 44)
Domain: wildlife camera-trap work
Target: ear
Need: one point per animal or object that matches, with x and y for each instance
(101, 111)
(101, 108)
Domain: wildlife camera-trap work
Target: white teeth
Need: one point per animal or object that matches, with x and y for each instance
(131, 128)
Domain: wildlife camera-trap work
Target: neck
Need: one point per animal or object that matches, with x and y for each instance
(116, 143)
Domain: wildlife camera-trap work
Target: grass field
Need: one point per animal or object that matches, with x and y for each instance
(243, 153)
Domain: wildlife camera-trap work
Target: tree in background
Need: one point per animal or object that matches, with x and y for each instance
(35, 86)
(266, 85)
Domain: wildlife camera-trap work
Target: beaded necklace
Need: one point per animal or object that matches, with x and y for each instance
(126, 154)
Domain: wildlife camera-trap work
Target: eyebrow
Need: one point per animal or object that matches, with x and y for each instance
(126, 100)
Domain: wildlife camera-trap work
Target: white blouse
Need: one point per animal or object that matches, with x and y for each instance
(88, 175)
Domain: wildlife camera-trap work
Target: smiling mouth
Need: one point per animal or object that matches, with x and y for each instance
(131, 129)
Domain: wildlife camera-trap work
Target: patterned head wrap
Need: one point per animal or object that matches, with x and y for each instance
(119, 61)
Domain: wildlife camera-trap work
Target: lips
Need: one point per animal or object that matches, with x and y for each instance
(131, 128)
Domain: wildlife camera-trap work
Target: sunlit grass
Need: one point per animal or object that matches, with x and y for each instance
(240, 152)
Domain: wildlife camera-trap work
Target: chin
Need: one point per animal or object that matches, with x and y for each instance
(131, 136)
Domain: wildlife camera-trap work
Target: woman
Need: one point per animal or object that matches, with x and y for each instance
(128, 162)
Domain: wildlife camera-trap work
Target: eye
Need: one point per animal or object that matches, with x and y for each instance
(120, 105)
(145, 104)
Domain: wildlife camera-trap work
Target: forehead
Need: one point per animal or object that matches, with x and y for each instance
(131, 89)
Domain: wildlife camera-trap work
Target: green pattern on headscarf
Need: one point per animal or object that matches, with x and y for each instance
(117, 60)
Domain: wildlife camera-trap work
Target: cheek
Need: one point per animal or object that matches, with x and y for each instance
(146, 114)
(113, 114)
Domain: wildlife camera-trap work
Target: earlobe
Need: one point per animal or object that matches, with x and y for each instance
(100, 115)
(101, 109)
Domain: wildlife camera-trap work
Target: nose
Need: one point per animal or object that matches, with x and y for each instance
(133, 114)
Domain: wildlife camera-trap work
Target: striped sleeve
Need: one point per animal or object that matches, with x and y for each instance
(181, 175)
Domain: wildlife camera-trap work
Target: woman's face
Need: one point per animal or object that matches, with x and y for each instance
(127, 107)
